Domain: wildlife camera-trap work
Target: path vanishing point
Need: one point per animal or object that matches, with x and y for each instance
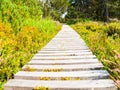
(65, 63)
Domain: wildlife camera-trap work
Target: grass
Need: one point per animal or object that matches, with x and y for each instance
(46, 25)
(104, 41)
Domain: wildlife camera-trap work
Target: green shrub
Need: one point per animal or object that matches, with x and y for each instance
(15, 12)
(46, 25)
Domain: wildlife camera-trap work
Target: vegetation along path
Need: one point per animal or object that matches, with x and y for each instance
(65, 63)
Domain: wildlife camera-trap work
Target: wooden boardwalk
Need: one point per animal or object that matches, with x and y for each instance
(65, 63)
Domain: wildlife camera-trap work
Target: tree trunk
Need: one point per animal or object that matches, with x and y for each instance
(106, 11)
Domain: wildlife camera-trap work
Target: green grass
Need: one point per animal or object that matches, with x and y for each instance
(46, 25)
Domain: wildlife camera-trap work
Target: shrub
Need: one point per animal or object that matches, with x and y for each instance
(74, 21)
(46, 25)
(113, 29)
(99, 37)
(17, 50)
(15, 12)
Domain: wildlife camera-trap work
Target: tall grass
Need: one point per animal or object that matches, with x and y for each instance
(104, 41)
(46, 25)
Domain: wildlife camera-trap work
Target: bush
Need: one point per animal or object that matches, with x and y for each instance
(99, 37)
(17, 50)
(46, 25)
(15, 12)
(74, 21)
(113, 29)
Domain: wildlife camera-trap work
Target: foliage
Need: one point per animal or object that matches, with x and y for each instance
(54, 8)
(46, 25)
(113, 30)
(17, 50)
(100, 10)
(60, 7)
(74, 21)
(104, 41)
(15, 12)
(83, 9)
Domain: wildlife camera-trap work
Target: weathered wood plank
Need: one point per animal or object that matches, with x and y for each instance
(62, 62)
(79, 75)
(17, 84)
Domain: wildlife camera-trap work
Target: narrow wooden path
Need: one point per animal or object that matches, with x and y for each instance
(65, 63)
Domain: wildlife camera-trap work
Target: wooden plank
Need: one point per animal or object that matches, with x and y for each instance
(62, 62)
(79, 75)
(64, 54)
(17, 84)
(63, 51)
(77, 67)
(64, 57)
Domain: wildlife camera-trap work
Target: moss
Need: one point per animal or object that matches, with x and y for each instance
(41, 88)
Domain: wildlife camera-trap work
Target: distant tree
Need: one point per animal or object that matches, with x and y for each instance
(54, 8)
(95, 9)
(114, 8)
(81, 8)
